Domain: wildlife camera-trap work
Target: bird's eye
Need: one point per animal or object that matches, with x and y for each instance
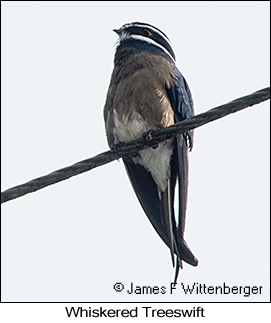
(145, 32)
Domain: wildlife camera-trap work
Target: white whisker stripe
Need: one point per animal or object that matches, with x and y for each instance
(152, 28)
(148, 40)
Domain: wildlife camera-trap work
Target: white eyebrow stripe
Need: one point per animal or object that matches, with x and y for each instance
(149, 27)
(150, 41)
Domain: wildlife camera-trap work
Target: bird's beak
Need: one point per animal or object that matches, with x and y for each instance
(118, 31)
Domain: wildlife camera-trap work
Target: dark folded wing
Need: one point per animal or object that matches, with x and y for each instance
(181, 101)
(147, 193)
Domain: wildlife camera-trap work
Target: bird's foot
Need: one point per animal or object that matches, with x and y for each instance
(147, 136)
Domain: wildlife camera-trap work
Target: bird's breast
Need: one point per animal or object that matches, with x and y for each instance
(145, 108)
(139, 103)
(128, 126)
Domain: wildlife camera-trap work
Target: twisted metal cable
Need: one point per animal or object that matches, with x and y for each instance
(136, 145)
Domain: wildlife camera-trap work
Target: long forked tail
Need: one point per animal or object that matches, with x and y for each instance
(147, 193)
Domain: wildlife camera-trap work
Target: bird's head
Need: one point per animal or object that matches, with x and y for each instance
(144, 36)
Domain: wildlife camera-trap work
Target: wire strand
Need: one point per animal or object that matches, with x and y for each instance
(136, 145)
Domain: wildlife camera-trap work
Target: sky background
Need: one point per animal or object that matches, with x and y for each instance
(74, 240)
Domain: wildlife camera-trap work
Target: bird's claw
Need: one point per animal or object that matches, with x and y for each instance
(148, 137)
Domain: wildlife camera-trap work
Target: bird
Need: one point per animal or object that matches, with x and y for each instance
(147, 92)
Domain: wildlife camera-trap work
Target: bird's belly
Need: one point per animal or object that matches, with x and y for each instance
(128, 128)
(156, 161)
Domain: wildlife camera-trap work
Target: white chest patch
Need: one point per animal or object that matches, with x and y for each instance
(128, 129)
(156, 161)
